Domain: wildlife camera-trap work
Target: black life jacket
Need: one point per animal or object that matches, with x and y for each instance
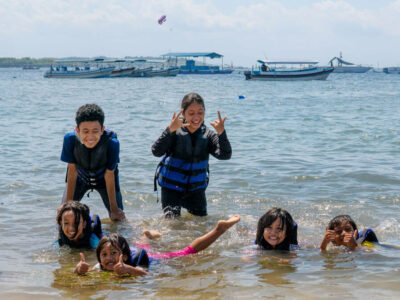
(185, 167)
(92, 234)
(138, 257)
(92, 163)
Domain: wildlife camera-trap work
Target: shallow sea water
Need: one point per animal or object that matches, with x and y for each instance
(317, 149)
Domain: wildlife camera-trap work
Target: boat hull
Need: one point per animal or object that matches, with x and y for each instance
(122, 72)
(163, 73)
(141, 72)
(100, 73)
(306, 74)
(351, 69)
(391, 70)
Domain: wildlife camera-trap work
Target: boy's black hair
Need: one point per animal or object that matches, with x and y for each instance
(118, 242)
(89, 112)
(191, 98)
(336, 221)
(287, 222)
(79, 210)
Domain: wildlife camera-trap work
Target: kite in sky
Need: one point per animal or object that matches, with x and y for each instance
(162, 19)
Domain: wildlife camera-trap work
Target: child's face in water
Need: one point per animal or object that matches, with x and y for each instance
(343, 233)
(275, 233)
(194, 115)
(109, 256)
(68, 225)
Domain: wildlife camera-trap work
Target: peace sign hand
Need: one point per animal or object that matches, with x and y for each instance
(82, 267)
(177, 122)
(219, 124)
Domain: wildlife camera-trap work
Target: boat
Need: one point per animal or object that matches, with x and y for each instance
(141, 72)
(190, 66)
(79, 68)
(87, 72)
(169, 72)
(122, 72)
(391, 70)
(343, 66)
(266, 72)
(30, 67)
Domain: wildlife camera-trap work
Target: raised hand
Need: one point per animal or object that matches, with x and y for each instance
(219, 124)
(328, 237)
(82, 267)
(177, 122)
(349, 240)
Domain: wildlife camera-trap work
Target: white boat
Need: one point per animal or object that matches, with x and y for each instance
(266, 72)
(78, 68)
(169, 72)
(343, 66)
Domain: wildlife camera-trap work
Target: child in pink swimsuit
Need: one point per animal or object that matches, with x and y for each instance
(115, 254)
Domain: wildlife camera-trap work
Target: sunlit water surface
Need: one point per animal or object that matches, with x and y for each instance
(318, 149)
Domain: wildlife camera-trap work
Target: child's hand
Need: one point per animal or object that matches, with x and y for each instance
(328, 237)
(117, 215)
(219, 124)
(121, 268)
(349, 240)
(82, 267)
(177, 122)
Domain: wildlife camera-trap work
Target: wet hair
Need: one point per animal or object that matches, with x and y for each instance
(118, 242)
(79, 210)
(89, 112)
(338, 220)
(287, 222)
(191, 98)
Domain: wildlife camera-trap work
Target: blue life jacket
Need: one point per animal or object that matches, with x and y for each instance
(367, 235)
(92, 163)
(91, 235)
(138, 257)
(185, 167)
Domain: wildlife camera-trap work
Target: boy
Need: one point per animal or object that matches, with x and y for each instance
(92, 154)
(342, 231)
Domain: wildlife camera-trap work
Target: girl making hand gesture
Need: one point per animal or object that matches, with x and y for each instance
(185, 146)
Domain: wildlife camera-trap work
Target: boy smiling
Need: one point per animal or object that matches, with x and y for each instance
(92, 154)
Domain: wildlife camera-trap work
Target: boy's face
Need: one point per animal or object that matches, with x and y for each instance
(90, 133)
(275, 233)
(343, 233)
(68, 225)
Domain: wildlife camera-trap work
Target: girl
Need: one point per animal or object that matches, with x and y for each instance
(114, 253)
(185, 146)
(77, 228)
(276, 230)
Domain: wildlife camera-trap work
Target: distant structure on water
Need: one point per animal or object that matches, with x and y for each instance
(343, 66)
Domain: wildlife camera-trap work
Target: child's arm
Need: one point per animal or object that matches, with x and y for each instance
(328, 237)
(82, 267)
(121, 268)
(71, 182)
(116, 214)
(349, 240)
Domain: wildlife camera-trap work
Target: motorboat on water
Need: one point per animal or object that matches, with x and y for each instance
(391, 70)
(305, 70)
(343, 66)
(66, 68)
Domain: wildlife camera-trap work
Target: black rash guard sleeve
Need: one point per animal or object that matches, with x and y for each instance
(163, 143)
(219, 145)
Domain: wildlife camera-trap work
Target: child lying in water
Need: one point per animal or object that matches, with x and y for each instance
(342, 231)
(114, 254)
(77, 228)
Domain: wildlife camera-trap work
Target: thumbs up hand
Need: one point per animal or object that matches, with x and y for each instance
(82, 267)
(121, 268)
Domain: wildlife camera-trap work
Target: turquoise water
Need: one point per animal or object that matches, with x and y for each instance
(317, 148)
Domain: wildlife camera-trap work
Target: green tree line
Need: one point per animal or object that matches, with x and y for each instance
(25, 61)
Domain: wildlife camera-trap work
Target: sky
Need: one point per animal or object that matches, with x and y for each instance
(366, 32)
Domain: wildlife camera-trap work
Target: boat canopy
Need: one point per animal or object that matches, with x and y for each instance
(194, 54)
(285, 62)
(340, 61)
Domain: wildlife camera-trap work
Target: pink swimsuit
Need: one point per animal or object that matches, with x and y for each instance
(186, 251)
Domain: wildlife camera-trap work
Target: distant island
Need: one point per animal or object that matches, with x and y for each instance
(11, 62)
